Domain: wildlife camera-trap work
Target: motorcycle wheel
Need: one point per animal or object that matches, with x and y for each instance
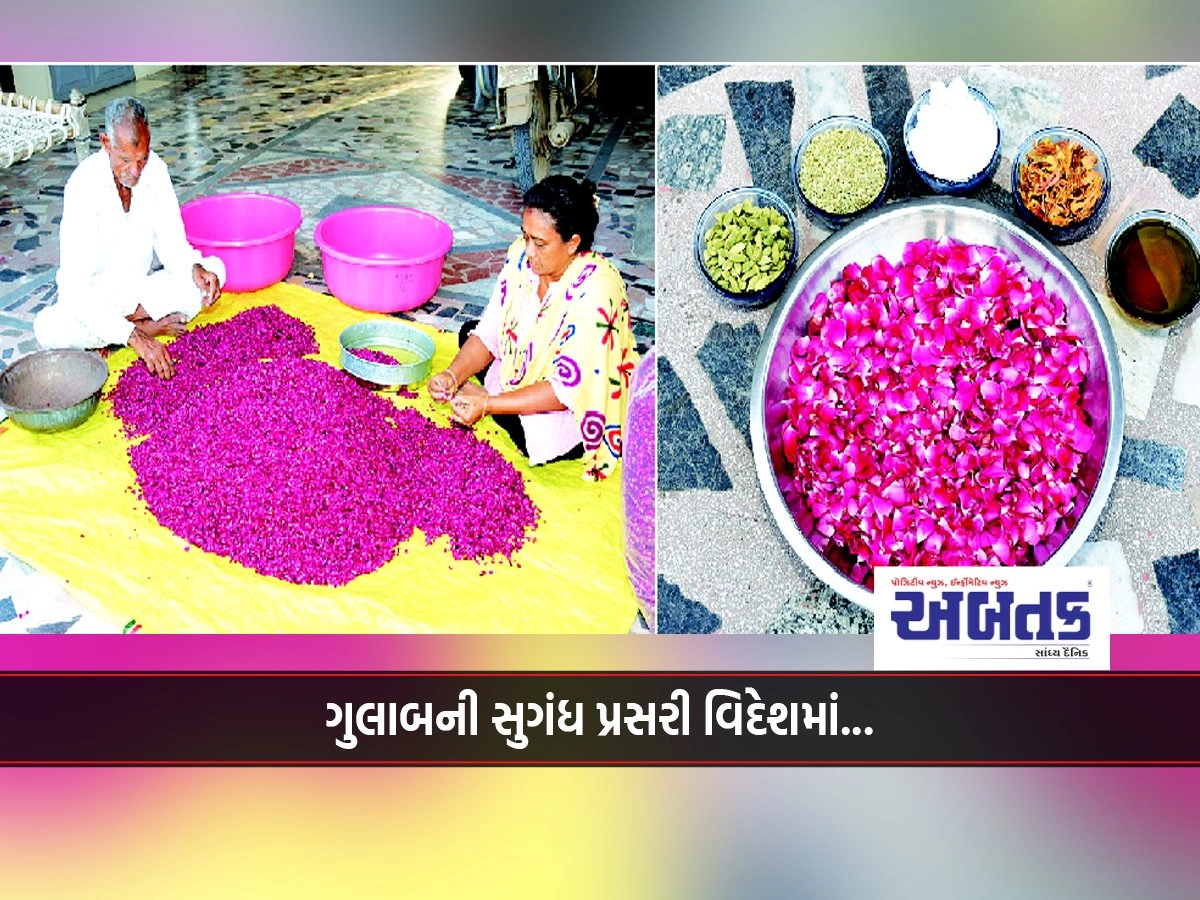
(531, 146)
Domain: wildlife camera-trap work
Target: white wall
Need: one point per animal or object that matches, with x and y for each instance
(32, 81)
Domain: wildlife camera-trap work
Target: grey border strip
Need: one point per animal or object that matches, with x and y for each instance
(600, 163)
(8, 301)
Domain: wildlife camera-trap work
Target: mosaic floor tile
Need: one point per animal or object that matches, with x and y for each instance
(1172, 145)
(343, 202)
(229, 128)
(689, 152)
(678, 614)
(1140, 353)
(762, 112)
(502, 194)
(687, 460)
(600, 164)
(672, 78)
(8, 612)
(1159, 71)
(1187, 376)
(1153, 462)
(1179, 580)
(821, 611)
(54, 627)
(318, 198)
(643, 243)
(827, 93)
(460, 268)
(1023, 103)
(294, 168)
(1126, 615)
(727, 356)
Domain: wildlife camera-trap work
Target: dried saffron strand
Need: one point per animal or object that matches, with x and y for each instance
(1058, 182)
(934, 412)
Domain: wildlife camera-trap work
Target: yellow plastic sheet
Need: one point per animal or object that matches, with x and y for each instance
(69, 509)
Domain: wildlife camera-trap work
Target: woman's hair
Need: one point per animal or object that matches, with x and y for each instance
(570, 203)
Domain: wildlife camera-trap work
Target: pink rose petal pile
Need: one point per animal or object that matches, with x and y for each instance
(372, 355)
(934, 412)
(288, 467)
(203, 355)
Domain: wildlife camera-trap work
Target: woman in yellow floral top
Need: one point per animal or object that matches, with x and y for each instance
(555, 339)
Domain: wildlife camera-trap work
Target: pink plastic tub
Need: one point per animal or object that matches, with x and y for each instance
(253, 234)
(383, 258)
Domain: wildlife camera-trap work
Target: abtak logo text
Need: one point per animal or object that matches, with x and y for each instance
(1009, 618)
(947, 612)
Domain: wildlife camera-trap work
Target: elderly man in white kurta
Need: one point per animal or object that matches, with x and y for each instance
(119, 210)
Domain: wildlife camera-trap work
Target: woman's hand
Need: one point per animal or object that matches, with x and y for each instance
(443, 386)
(469, 404)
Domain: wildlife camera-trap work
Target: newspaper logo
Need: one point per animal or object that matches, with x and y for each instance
(1032, 619)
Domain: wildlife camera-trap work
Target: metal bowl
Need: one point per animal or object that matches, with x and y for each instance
(383, 333)
(885, 232)
(53, 390)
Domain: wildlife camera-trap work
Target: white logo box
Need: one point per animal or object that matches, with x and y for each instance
(1029, 619)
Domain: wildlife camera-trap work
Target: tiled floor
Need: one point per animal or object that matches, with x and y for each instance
(720, 127)
(329, 138)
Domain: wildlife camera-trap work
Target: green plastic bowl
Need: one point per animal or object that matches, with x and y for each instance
(412, 343)
(53, 390)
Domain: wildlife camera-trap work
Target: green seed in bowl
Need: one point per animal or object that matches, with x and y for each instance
(842, 171)
(747, 247)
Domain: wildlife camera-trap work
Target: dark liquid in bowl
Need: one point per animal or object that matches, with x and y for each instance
(1152, 270)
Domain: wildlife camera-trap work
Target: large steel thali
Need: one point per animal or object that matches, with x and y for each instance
(885, 232)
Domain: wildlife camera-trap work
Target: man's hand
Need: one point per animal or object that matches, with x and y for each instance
(208, 283)
(157, 358)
